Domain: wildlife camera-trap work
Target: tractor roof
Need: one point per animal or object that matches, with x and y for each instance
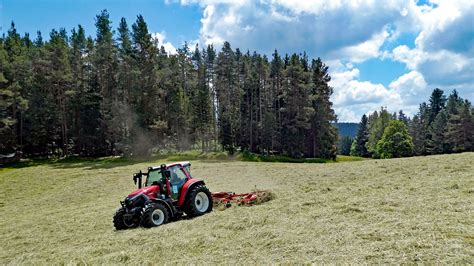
(184, 163)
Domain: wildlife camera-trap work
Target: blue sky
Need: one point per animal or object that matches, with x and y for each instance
(181, 22)
(389, 53)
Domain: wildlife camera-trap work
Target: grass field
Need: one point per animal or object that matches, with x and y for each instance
(412, 210)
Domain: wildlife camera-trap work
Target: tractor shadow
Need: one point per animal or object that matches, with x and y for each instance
(172, 221)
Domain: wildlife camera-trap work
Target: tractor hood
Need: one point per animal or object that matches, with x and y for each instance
(145, 190)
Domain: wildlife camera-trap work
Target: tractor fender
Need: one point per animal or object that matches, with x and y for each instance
(167, 205)
(187, 187)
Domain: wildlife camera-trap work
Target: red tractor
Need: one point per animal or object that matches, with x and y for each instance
(168, 192)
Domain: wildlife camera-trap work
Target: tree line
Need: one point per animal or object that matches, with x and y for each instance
(443, 125)
(121, 93)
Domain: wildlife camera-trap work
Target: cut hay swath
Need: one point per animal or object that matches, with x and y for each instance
(226, 199)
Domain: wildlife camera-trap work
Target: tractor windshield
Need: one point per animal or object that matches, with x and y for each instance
(153, 176)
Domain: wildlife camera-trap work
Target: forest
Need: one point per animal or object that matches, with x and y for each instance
(124, 94)
(443, 125)
(121, 93)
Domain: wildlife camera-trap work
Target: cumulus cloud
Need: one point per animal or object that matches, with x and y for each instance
(161, 37)
(355, 30)
(411, 87)
(444, 47)
(352, 97)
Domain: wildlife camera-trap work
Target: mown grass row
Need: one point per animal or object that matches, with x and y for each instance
(399, 211)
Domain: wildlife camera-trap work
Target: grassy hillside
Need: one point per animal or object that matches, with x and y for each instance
(375, 211)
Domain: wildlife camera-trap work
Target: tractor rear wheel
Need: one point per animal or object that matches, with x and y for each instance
(198, 202)
(155, 214)
(121, 222)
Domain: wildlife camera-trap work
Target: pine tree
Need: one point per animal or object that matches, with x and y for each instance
(14, 82)
(226, 91)
(126, 78)
(201, 102)
(79, 84)
(209, 63)
(91, 133)
(358, 147)
(149, 98)
(402, 117)
(437, 143)
(59, 81)
(276, 94)
(41, 116)
(182, 122)
(436, 104)
(297, 111)
(7, 121)
(105, 69)
(460, 129)
(323, 135)
(419, 130)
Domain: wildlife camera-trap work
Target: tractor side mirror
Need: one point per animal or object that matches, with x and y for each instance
(138, 178)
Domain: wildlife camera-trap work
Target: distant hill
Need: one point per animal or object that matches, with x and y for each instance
(347, 129)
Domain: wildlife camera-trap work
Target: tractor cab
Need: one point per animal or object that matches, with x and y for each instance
(170, 177)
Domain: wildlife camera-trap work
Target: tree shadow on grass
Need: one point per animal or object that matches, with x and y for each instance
(23, 164)
(113, 162)
(98, 163)
(76, 162)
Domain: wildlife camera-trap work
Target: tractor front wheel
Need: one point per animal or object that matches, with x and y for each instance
(155, 214)
(199, 201)
(121, 222)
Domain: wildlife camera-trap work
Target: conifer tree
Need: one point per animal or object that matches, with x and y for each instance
(296, 112)
(14, 81)
(323, 135)
(437, 143)
(358, 147)
(226, 91)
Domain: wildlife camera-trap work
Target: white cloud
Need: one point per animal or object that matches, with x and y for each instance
(161, 37)
(444, 47)
(353, 98)
(364, 50)
(345, 33)
(412, 88)
(354, 30)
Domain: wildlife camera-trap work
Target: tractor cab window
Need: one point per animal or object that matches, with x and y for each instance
(177, 180)
(188, 170)
(177, 175)
(153, 176)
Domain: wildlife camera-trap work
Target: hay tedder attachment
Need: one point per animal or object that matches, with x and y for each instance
(246, 199)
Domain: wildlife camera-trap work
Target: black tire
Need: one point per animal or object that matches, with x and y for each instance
(195, 204)
(119, 220)
(155, 214)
